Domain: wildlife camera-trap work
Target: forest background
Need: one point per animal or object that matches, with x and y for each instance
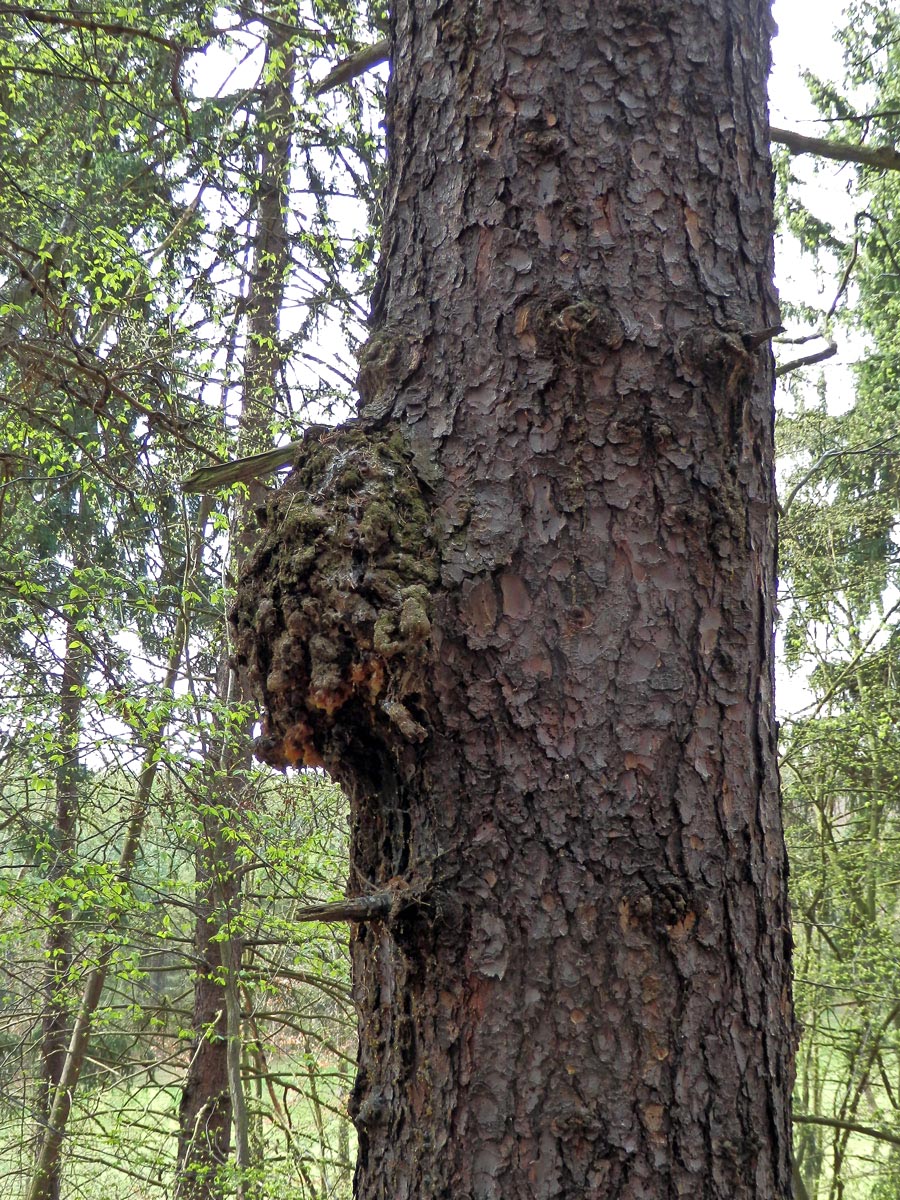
(189, 218)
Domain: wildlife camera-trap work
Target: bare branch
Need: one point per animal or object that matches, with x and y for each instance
(113, 28)
(355, 65)
(820, 356)
(850, 1126)
(858, 118)
(354, 909)
(883, 158)
(845, 279)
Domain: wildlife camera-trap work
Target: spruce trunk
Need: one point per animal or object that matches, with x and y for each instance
(523, 610)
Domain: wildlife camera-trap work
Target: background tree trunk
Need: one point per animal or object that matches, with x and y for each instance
(204, 1116)
(213, 1095)
(57, 991)
(583, 989)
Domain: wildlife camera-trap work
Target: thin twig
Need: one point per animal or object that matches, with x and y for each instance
(849, 1126)
(829, 352)
(113, 28)
(826, 457)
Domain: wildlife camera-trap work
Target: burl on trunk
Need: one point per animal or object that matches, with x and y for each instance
(522, 609)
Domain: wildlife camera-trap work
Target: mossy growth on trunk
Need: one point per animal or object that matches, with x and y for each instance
(332, 619)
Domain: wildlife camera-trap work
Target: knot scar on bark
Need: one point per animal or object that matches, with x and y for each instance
(583, 328)
(715, 356)
(386, 361)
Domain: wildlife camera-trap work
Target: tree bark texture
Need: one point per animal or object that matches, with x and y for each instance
(523, 609)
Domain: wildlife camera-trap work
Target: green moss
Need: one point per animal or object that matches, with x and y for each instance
(383, 639)
(303, 558)
(302, 523)
(350, 480)
(377, 524)
(415, 627)
(345, 569)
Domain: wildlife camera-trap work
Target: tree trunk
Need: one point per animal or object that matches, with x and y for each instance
(213, 1097)
(205, 1111)
(57, 1001)
(551, 701)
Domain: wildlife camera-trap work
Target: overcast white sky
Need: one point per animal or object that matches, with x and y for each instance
(806, 41)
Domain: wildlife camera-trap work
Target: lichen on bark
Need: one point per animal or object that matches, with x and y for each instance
(333, 616)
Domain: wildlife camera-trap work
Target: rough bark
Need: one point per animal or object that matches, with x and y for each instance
(529, 623)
